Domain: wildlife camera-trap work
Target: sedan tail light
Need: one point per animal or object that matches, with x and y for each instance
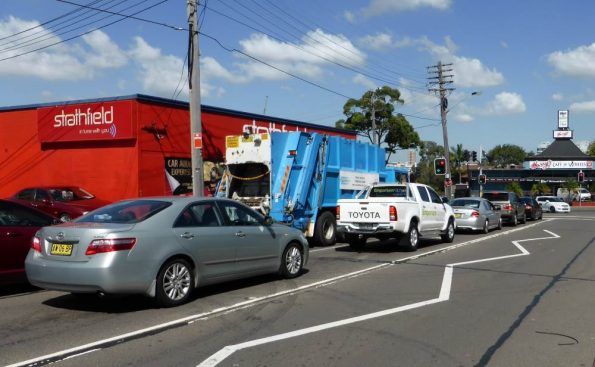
(392, 213)
(36, 244)
(338, 212)
(110, 245)
(527, 206)
(475, 214)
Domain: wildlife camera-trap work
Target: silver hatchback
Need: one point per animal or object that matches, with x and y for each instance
(163, 247)
(476, 214)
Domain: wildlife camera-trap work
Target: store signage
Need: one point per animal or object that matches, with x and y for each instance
(85, 122)
(562, 134)
(178, 172)
(563, 119)
(549, 164)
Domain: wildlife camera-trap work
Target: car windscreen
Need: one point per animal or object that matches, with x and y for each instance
(465, 203)
(496, 196)
(132, 211)
(388, 192)
(527, 200)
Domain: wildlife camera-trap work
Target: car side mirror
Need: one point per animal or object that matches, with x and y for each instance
(445, 200)
(267, 221)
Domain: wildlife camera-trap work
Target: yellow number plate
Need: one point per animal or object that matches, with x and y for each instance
(61, 249)
(458, 215)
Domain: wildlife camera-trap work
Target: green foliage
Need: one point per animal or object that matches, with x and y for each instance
(572, 185)
(506, 154)
(457, 158)
(540, 188)
(515, 187)
(428, 151)
(591, 150)
(392, 129)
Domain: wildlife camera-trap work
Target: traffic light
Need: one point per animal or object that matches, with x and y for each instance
(581, 177)
(483, 179)
(440, 166)
(466, 155)
(473, 156)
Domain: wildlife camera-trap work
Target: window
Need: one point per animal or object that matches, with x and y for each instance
(434, 196)
(389, 192)
(16, 216)
(132, 211)
(42, 195)
(28, 194)
(423, 193)
(239, 215)
(202, 215)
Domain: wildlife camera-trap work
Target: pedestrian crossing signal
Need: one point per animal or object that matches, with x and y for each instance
(440, 166)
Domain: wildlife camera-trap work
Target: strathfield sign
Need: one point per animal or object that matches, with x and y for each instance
(85, 122)
(549, 164)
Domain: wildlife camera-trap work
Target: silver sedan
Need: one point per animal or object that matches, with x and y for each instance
(476, 214)
(163, 247)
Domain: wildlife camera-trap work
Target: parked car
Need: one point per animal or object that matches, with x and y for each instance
(553, 204)
(476, 214)
(582, 194)
(18, 224)
(512, 208)
(64, 202)
(533, 209)
(163, 247)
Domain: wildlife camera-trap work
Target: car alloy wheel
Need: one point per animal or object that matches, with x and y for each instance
(292, 261)
(449, 236)
(411, 238)
(486, 226)
(174, 283)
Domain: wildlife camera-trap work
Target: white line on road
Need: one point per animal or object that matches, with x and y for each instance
(443, 296)
(96, 345)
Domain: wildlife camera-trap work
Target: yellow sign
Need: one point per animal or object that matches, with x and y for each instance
(232, 141)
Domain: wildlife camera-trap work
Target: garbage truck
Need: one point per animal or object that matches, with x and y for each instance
(297, 177)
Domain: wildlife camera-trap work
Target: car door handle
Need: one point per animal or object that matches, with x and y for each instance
(240, 234)
(187, 235)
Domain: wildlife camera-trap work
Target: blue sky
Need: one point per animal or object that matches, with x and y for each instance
(528, 59)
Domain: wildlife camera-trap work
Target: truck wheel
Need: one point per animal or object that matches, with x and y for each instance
(355, 241)
(449, 235)
(325, 231)
(411, 238)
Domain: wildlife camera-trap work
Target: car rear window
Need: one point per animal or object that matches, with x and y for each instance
(465, 203)
(132, 211)
(496, 196)
(389, 192)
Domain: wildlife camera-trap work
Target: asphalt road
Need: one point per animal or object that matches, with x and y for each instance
(521, 296)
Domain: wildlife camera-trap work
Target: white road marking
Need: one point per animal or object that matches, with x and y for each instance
(254, 300)
(443, 296)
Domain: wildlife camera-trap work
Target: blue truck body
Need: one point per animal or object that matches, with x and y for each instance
(297, 177)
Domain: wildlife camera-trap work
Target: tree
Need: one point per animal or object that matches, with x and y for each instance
(591, 149)
(506, 154)
(392, 129)
(424, 172)
(572, 186)
(515, 187)
(540, 188)
(457, 157)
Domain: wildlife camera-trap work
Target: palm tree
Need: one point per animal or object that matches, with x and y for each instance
(457, 157)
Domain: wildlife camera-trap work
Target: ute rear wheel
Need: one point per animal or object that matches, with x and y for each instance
(411, 239)
(449, 235)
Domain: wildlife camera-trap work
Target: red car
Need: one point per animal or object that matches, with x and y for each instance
(64, 202)
(18, 224)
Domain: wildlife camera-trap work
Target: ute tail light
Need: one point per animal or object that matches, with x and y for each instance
(110, 245)
(475, 214)
(338, 212)
(527, 206)
(36, 244)
(392, 213)
(507, 207)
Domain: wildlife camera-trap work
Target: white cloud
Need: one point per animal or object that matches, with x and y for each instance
(159, 74)
(506, 103)
(587, 106)
(557, 96)
(105, 54)
(579, 62)
(463, 117)
(468, 72)
(503, 44)
(349, 16)
(378, 42)
(381, 7)
(362, 80)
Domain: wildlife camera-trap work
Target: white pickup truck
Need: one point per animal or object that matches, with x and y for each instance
(403, 211)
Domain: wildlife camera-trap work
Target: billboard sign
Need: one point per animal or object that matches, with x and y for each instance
(562, 134)
(563, 119)
(85, 122)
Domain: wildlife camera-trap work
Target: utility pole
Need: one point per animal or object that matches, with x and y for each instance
(195, 111)
(439, 81)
